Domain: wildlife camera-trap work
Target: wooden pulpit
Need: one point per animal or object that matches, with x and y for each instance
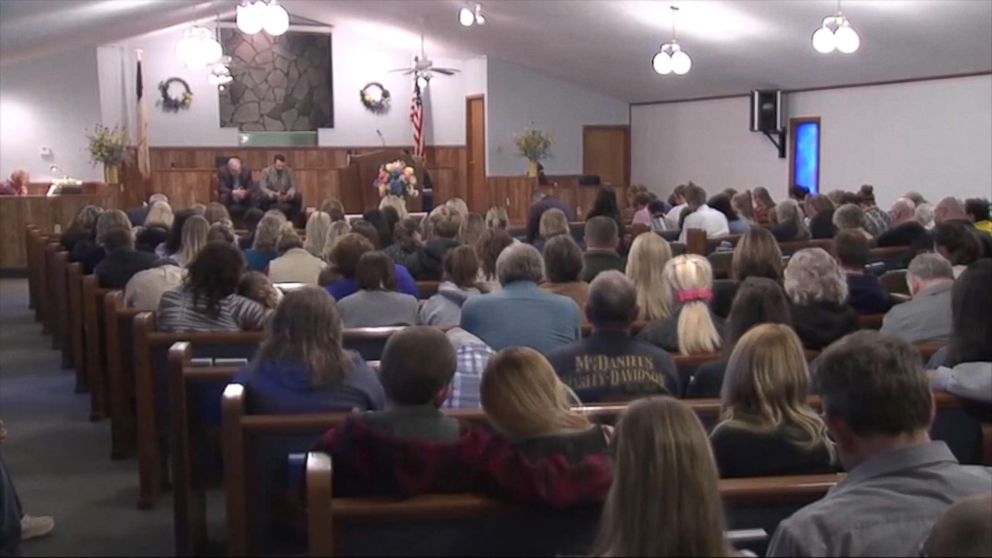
(357, 191)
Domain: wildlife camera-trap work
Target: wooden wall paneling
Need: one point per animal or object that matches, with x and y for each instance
(512, 192)
(446, 185)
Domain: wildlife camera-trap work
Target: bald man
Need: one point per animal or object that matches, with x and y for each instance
(905, 229)
(949, 209)
(609, 365)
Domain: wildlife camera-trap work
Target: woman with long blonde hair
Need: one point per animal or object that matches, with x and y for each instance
(526, 402)
(194, 238)
(691, 328)
(665, 499)
(263, 248)
(318, 227)
(764, 410)
(648, 255)
(159, 214)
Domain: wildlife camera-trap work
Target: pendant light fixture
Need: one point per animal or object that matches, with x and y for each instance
(836, 33)
(254, 16)
(468, 18)
(198, 48)
(671, 58)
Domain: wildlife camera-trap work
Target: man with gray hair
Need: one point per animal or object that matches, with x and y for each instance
(137, 215)
(609, 365)
(851, 216)
(949, 209)
(522, 314)
(928, 316)
(602, 239)
(905, 230)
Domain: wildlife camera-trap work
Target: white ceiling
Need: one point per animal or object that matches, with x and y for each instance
(606, 45)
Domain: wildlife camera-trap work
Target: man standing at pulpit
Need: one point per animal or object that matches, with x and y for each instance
(234, 187)
(276, 189)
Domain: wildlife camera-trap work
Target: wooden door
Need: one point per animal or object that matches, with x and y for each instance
(606, 153)
(475, 147)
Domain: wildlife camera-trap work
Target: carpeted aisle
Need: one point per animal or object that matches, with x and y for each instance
(60, 462)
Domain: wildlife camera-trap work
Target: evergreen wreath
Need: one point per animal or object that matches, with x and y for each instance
(173, 104)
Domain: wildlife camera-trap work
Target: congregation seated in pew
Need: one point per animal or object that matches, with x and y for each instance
(927, 317)
(648, 254)
(563, 269)
(460, 281)
(602, 244)
(865, 293)
(122, 261)
(692, 327)
(818, 298)
(377, 303)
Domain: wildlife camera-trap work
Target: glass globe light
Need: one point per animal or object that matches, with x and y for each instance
(847, 38)
(824, 41)
(250, 16)
(681, 63)
(210, 50)
(276, 20)
(479, 18)
(423, 82)
(662, 63)
(466, 17)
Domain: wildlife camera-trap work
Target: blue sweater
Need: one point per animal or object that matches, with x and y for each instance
(404, 284)
(522, 314)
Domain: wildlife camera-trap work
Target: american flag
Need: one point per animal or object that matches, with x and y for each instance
(417, 119)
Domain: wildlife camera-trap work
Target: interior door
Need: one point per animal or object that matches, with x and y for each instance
(606, 153)
(475, 146)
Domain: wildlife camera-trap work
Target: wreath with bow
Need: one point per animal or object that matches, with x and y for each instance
(175, 104)
(375, 97)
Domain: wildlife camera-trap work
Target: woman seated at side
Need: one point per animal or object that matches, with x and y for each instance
(377, 303)
(766, 426)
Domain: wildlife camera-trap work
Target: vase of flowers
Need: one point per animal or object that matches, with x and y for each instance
(535, 145)
(397, 181)
(108, 146)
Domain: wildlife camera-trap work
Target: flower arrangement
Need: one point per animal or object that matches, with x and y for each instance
(108, 145)
(535, 145)
(396, 179)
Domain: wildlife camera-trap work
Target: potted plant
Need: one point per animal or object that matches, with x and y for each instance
(535, 145)
(109, 147)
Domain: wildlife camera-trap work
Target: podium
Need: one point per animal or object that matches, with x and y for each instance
(357, 192)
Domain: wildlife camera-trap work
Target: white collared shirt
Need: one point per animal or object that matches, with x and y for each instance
(706, 218)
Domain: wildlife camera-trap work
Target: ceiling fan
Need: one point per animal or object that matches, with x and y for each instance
(423, 67)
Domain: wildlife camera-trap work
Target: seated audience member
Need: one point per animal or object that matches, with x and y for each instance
(158, 214)
(221, 232)
(529, 405)
(263, 248)
(490, 246)
(553, 223)
(742, 204)
(789, 223)
(235, 187)
(915, 197)
(963, 529)
(959, 243)
(207, 300)
(79, 238)
(905, 230)
(818, 295)
(459, 206)
(563, 269)
(605, 205)
(609, 365)
(664, 475)
(642, 214)
(472, 356)
(368, 230)
(648, 255)
(763, 410)
(461, 272)
(145, 289)
(965, 365)
(851, 217)
(735, 223)
(376, 303)
(759, 300)
(698, 215)
(317, 231)
(392, 218)
(420, 450)
(471, 229)
(658, 209)
(294, 264)
(877, 221)
(927, 317)
(521, 314)
(764, 205)
(497, 218)
(406, 241)
(175, 240)
(333, 207)
(977, 210)
(540, 203)
(757, 254)
(194, 238)
(677, 200)
(338, 229)
(257, 286)
(252, 217)
(301, 366)
(89, 251)
(601, 253)
(276, 190)
(377, 219)
(427, 265)
(949, 209)
(343, 259)
(878, 407)
(692, 327)
(864, 292)
(17, 185)
(122, 260)
(924, 214)
(820, 211)
(217, 213)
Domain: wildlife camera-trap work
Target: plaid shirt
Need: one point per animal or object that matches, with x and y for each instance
(472, 360)
(876, 221)
(371, 463)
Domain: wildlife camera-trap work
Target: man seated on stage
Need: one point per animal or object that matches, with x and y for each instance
(276, 189)
(234, 187)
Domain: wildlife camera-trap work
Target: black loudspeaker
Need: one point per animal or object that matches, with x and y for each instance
(767, 111)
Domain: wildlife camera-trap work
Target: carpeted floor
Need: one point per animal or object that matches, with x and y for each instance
(60, 462)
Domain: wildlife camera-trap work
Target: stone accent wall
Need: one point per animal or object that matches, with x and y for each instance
(280, 83)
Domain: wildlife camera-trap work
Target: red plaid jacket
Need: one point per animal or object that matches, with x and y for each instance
(371, 463)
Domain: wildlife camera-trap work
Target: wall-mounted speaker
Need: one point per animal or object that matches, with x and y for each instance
(767, 111)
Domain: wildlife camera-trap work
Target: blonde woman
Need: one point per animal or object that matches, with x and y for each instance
(334, 232)
(318, 227)
(471, 229)
(217, 213)
(263, 248)
(691, 328)
(817, 291)
(458, 205)
(194, 238)
(648, 255)
(526, 402)
(764, 410)
(159, 215)
(497, 218)
(553, 223)
(665, 499)
(757, 255)
(790, 223)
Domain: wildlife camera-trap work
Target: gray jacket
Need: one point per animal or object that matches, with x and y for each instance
(970, 380)
(445, 308)
(926, 318)
(273, 182)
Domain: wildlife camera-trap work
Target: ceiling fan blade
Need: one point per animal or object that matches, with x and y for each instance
(445, 71)
(406, 71)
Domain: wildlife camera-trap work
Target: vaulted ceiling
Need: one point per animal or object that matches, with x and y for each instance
(603, 44)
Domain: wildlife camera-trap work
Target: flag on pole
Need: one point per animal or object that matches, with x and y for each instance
(417, 119)
(144, 163)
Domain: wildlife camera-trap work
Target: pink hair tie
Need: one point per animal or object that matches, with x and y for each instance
(704, 295)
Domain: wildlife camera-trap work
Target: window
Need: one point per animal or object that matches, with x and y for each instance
(804, 157)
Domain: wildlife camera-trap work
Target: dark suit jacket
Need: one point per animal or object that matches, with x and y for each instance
(117, 269)
(227, 182)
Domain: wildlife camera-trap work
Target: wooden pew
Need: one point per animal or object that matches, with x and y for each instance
(119, 351)
(51, 308)
(427, 289)
(870, 321)
(96, 350)
(43, 302)
(31, 234)
(74, 280)
(59, 291)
